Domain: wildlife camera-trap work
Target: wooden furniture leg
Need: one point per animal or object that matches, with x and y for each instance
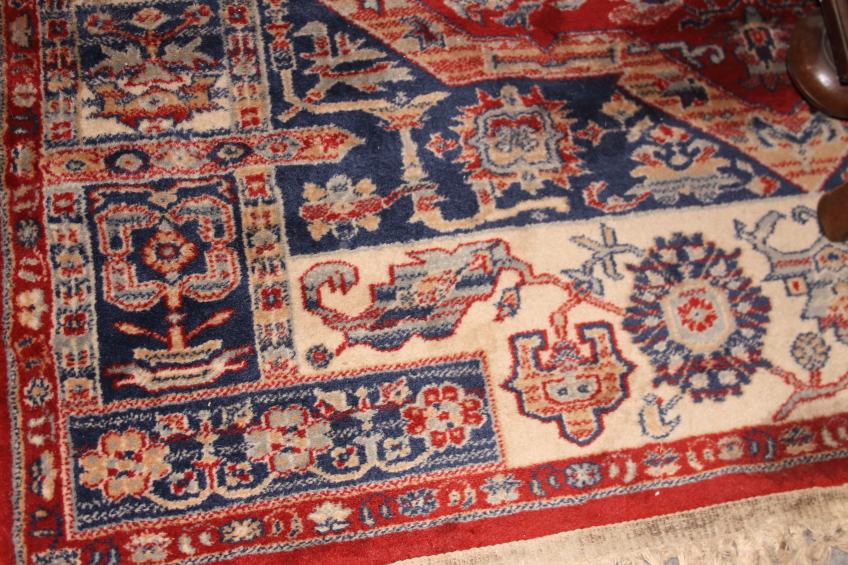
(817, 62)
(833, 213)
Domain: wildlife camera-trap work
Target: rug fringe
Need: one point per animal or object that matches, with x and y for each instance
(796, 528)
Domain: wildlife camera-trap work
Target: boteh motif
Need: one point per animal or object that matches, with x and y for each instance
(517, 139)
(169, 246)
(571, 390)
(156, 68)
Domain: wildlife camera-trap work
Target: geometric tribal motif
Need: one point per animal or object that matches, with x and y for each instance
(123, 73)
(575, 393)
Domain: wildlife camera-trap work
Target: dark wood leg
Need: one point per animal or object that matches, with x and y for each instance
(833, 213)
(818, 57)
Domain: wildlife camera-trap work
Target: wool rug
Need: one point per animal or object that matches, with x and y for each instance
(448, 281)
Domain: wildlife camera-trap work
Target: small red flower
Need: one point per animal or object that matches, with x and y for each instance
(74, 324)
(64, 203)
(272, 298)
(57, 30)
(237, 15)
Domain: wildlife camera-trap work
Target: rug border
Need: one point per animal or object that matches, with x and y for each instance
(7, 459)
(482, 535)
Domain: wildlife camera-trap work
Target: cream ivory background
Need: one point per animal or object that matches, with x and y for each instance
(549, 249)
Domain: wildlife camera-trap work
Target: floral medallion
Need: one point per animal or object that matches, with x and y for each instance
(517, 139)
(699, 320)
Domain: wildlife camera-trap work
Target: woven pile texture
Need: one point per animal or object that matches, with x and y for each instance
(334, 281)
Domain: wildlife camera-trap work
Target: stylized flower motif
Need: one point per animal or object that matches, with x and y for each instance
(242, 530)
(288, 440)
(583, 475)
(396, 448)
(272, 298)
(57, 30)
(444, 415)
(810, 351)
(57, 557)
(229, 153)
(31, 308)
(171, 248)
(319, 356)
(28, 232)
(149, 18)
(330, 517)
(237, 15)
(761, 45)
(501, 489)
(25, 95)
(37, 392)
(149, 546)
(418, 502)
(128, 161)
(700, 321)
(124, 464)
(75, 323)
(184, 483)
(516, 139)
(342, 207)
(345, 457)
(198, 14)
(238, 474)
(395, 392)
(697, 315)
(168, 251)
